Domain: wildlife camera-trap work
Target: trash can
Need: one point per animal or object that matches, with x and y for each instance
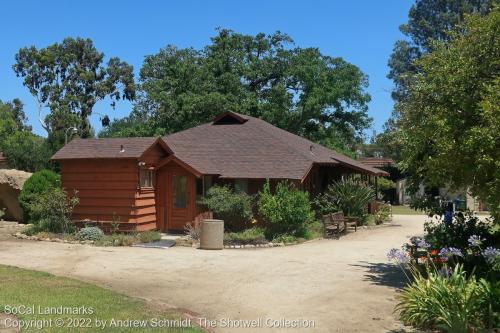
(212, 235)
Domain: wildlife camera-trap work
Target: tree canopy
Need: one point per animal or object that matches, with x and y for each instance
(266, 76)
(450, 119)
(69, 78)
(23, 149)
(428, 21)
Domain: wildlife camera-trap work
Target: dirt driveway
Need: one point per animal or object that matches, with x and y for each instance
(342, 285)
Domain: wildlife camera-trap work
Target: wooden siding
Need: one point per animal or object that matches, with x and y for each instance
(108, 192)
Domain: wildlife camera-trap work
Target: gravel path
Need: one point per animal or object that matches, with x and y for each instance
(342, 285)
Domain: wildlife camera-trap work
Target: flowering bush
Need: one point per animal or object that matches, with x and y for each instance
(439, 296)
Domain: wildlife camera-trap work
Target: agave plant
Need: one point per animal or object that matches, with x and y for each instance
(349, 196)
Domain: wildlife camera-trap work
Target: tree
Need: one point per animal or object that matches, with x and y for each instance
(26, 151)
(450, 119)
(428, 21)
(297, 89)
(69, 78)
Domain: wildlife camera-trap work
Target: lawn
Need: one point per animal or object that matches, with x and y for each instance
(405, 210)
(40, 291)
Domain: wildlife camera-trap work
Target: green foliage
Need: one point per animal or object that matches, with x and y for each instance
(455, 303)
(89, 233)
(26, 151)
(235, 208)
(284, 238)
(451, 120)
(286, 211)
(321, 97)
(456, 234)
(120, 239)
(12, 119)
(53, 209)
(149, 236)
(348, 195)
(428, 203)
(248, 236)
(39, 183)
(70, 77)
(383, 214)
(314, 229)
(428, 21)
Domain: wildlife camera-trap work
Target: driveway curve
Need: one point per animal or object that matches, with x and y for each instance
(341, 285)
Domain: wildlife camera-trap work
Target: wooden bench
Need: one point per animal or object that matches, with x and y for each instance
(338, 223)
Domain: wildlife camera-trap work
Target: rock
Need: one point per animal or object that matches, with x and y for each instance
(11, 183)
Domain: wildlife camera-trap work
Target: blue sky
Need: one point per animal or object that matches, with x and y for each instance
(361, 31)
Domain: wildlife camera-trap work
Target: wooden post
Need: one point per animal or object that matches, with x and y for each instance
(376, 188)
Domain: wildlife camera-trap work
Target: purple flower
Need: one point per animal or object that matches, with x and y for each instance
(398, 256)
(490, 252)
(423, 244)
(445, 271)
(447, 252)
(475, 240)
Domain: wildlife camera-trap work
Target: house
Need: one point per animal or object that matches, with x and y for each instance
(148, 183)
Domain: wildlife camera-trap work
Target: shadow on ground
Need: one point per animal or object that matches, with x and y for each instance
(383, 274)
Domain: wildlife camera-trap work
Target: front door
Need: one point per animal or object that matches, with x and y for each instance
(176, 200)
(180, 201)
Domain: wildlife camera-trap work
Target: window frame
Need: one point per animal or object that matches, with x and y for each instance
(151, 177)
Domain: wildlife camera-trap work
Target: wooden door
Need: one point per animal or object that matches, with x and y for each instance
(176, 199)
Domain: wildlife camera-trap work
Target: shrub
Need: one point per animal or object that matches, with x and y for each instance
(450, 301)
(39, 183)
(2, 213)
(457, 233)
(249, 236)
(117, 240)
(54, 209)
(383, 214)
(235, 208)
(285, 212)
(348, 196)
(314, 229)
(149, 236)
(284, 238)
(193, 230)
(90, 233)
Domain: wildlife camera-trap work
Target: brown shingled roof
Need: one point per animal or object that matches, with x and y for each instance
(232, 146)
(105, 148)
(253, 149)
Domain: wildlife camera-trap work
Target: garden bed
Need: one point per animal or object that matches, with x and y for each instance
(103, 240)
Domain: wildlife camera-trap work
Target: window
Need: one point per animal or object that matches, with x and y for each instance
(179, 191)
(146, 178)
(202, 186)
(241, 185)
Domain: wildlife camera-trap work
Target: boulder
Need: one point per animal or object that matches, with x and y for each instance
(11, 183)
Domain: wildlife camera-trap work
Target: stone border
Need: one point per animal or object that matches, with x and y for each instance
(55, 240)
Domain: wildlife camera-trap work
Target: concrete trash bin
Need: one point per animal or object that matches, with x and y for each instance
(212, 235)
